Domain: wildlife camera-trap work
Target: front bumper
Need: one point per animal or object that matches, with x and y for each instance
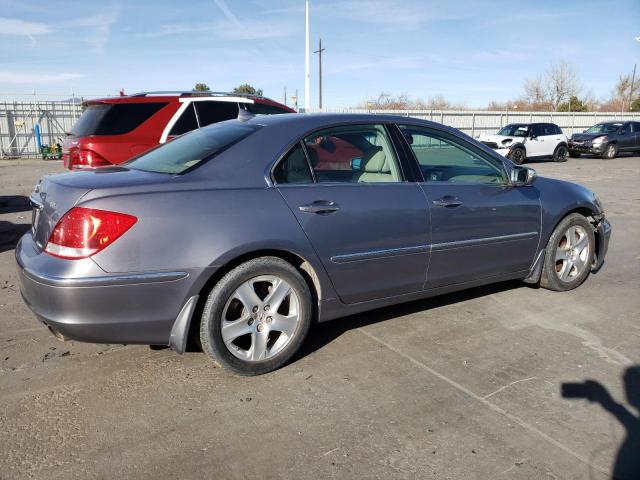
(503, 151)
(587, 147)
(603, 235)
(97, 307)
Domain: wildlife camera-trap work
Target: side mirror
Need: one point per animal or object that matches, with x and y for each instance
(522, 176)
(356, 163)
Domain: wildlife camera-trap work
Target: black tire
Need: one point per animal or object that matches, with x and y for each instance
(610, 151)
(560, 154)
(551, 276)
(222, 293)
(574, 154)
(517, 155)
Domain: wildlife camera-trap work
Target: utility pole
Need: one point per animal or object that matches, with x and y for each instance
(319, 52)
(285, 94)
(306, 56)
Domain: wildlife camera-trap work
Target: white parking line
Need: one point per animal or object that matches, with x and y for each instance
(485, 402)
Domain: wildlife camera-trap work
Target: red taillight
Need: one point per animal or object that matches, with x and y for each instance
(83, 232)
(81, 158)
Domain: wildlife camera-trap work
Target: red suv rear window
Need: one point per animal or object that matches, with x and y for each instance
(114, 118)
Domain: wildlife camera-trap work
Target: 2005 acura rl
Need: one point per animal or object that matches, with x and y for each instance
(244, 232)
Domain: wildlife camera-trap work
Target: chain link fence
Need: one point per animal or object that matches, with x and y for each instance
(18, 121)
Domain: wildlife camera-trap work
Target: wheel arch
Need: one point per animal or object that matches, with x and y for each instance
(304, 266)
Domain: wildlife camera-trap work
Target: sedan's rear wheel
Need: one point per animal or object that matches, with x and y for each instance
(257, 316)
(569, 254)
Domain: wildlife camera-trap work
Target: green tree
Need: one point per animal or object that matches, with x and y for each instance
(573, 105)
(201, 87)
(248, 89)
(635, 105)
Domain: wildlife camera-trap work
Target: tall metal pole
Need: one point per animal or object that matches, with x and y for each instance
(319, 52)
(307, 104)
(285, 94)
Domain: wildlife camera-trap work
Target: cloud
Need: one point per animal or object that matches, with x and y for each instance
(22, 28)
(99, 26)
(17, 78)
(396, 62)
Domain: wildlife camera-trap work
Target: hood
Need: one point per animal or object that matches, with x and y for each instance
(586, 136)
(498, 139)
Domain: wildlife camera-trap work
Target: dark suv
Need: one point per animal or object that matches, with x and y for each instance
(113, 130)
(606, 139)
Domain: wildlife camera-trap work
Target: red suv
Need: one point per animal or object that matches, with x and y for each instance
(113, 130)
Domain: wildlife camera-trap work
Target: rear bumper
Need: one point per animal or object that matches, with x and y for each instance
(137, 308)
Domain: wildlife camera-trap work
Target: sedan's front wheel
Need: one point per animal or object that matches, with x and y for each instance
(569, 254)
(257, 316)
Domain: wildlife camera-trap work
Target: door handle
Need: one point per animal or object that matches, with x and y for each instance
(321, 207)
(447, 202)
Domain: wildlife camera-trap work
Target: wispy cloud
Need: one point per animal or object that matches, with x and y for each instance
(402, 62)
(98, 26)
(19, 78)
(249, 29)
(22, 28)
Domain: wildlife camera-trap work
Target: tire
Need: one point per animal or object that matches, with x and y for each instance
(574, 154)
(258, 338)
(569, 254)
(517, 155)
(610, 151)
(560, 154)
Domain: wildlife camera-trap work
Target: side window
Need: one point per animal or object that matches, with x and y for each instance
(626, 128)
(556, 130)
(213, 112)
(353, 154)
(262, 109)
(293, 168)
(537, 130)
(445, 160)
(636, 127)
(186, 122)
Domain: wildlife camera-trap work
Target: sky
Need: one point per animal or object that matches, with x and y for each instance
(471, 52)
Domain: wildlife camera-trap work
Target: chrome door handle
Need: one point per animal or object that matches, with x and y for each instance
(320, 207)
(447, 202)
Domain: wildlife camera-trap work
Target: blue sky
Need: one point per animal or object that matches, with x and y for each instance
(469, 51)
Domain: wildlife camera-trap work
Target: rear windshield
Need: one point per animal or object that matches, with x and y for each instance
(190, 149)
(113, 118)
(262, 109)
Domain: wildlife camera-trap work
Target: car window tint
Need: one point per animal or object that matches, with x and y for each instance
(353, 154)
(538, 130)
(445, 160)
(293, 168)
(186, 122)
(214, 112)
(262, 109)
(626, 128)
(635, 126)
(114, 118)
(193, 148)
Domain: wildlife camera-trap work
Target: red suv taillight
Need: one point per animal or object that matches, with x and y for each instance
(81, 158)
(83, 232)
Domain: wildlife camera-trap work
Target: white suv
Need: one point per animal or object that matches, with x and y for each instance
(520, 141)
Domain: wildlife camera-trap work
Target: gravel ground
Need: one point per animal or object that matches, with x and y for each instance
(461, 386)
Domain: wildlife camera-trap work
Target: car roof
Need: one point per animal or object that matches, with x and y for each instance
(170, 96)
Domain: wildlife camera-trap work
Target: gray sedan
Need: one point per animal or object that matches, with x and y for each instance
(243, 233)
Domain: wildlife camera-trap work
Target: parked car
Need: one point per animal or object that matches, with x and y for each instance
(113, 130)
(237, 234)
(521, 141)
(606, 139)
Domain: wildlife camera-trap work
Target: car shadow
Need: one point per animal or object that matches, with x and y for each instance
(322, 334)
(627, 464)
(14, 203)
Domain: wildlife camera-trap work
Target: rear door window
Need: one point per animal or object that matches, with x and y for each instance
(114, 118)
(186, 122)
(213, 112)
(262, 109)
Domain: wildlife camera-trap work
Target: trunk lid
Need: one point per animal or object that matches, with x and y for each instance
(55, 195)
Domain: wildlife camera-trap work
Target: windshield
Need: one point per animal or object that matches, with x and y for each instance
(604, 128)
(514, 130)
(187, 151)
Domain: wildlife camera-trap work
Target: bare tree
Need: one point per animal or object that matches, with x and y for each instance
(621, 94)
(534, 92)
(561, 82)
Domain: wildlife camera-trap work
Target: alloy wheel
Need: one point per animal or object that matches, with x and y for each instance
(260, 318)
(572, 253)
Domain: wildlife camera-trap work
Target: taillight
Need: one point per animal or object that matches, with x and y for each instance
(81, 158)
(83, 232)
